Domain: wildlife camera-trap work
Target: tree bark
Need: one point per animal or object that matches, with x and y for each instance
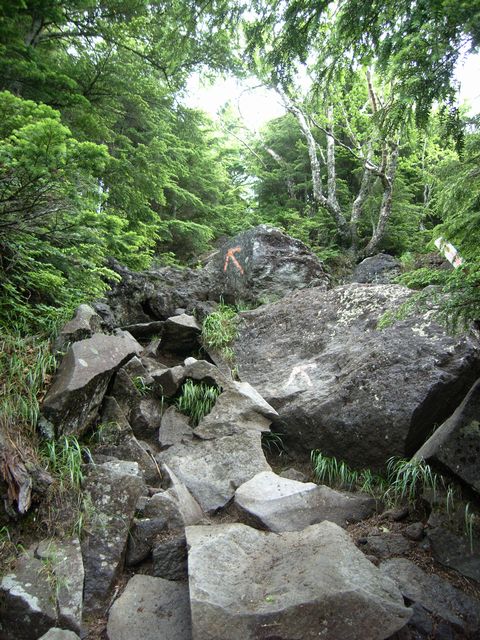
(288, 180)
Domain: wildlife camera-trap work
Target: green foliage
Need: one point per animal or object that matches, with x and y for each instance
(407, 479)
(196, 400)
(140, 385)
(337, 473)
(272, 442)
(65, 458)
(219, 330)
(423, 277)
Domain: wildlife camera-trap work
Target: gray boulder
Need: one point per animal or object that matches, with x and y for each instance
(435, 595)
(72, 401)
(84, 324)
(149, 609)
(44, 590)
(174, 428)
(344, 386)
(169, 555)
(387, 544)
(111, 494)
(379, 269)
(455, 445)
(263, 264)
(290, 586)
(279, 504)
(59, 634)
(145, 330)
(181, 334)
(213, 469)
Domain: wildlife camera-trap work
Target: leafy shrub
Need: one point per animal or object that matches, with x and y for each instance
(196, 400)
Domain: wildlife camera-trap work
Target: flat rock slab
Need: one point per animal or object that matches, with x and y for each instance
(213, 469)
(279, 504)
(342, 385)
(456, 443)
(72, 401)
(151, 609)
(112, 494)
(435, 595)
(247, 584)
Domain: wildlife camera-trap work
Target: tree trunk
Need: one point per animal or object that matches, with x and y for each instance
(288, 180)
(386, 207)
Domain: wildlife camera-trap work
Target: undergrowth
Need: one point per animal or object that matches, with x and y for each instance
(196, 400)
(219, 330)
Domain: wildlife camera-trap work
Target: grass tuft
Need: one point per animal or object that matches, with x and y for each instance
(196, 400)
(219, 330)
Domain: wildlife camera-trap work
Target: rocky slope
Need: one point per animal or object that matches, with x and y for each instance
(189, 533)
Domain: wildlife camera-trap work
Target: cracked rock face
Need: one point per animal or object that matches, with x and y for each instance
(298, 585)
(344, 386)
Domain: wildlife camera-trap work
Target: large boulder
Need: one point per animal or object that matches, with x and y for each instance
(149, 609)
(290, 586)
(279, 504)
(72, 401)
(379, 269)
(455, 445)
(341, 384)
(263, 264)
(111, 493)
(84, 324)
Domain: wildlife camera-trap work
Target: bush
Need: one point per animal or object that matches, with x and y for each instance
(196, 400)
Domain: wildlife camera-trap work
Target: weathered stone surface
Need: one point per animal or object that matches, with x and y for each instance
(84, 324)
(379, 269)
(125, 393)
(124, 446)
(290, 586)
(146, 418)
(188, 507)
(213, 469)
(455, 551)
(456, 443)
(345, 387)
(82, 379)
(174, 428)
(27, 603)
(168, 381)
(64, 562)
(262, 264)
(106, 314)
(151, 609)
(293, 474)
(113, 498)
(145, 330)
(138, 372)
(279, 504)
(155, 294)
(415, 531)
(385, 545)
(170, 557)
(59, 634)
(181, 334)
(435, 595)
(239, 408)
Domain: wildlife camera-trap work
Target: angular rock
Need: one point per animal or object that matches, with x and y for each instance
(145, 330)
(435, 595)
(112, 415)
(106, 314)
(82, 379)
(213, 469)
(293, 474)
(59, 634)
(169, 555)
(149, 609)
(27, 601)
(188, 507)
(168, 381)
(455, 551)
(84, 324)
(181, 334)
(262, 264)
(138, 372)
(290, 586)
(112, 498)
(174, 428)
(384, 545)
(455, 445)
(379, 269)
(125, 393)
(239, 408)
(415, 531)
(65, 564)
(146, 418)
(345, 387)
(277, 504)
